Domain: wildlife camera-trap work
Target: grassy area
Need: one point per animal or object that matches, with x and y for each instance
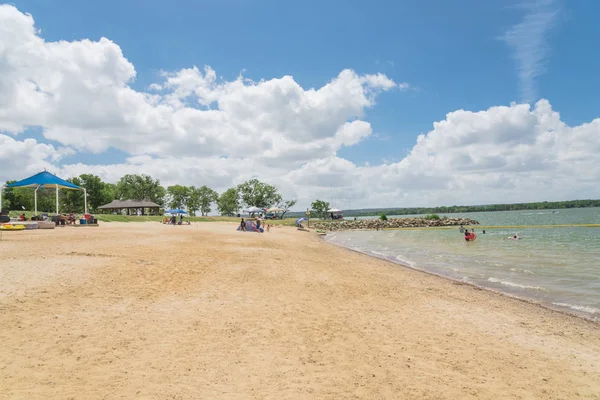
(158, 218)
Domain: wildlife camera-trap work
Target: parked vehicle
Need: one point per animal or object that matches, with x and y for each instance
(272, 216)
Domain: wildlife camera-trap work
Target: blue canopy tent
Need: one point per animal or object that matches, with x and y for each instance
(48, 180)
(177, 211)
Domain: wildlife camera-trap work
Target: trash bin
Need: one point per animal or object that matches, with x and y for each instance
(82, 221)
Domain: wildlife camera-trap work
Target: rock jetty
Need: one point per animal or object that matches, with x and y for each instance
(391, 223)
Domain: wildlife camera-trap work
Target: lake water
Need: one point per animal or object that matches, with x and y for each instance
(556, 266)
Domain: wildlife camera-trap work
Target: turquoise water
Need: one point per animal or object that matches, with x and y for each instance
(558, 266)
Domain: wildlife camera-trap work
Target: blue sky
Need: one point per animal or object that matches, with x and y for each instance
(454, 55)
(449, 51)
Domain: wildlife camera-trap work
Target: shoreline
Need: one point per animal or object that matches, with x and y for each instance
(595, 322)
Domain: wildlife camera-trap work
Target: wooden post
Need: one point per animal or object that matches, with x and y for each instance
(308, 218)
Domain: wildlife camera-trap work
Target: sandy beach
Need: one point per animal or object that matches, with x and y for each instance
(149, 311)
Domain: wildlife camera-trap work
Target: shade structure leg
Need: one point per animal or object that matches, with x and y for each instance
(56, 199)
(35, 201)
(1, 190)
(85, 201)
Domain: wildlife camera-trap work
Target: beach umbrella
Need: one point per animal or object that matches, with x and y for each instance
(274, 210)
(177, 211)
(254, 210)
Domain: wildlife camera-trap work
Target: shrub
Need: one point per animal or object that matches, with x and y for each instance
(432, 217)
(383, 217)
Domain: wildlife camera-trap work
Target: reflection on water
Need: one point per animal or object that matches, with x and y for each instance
(558, 267)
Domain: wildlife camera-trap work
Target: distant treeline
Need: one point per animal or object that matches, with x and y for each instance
(544, 205)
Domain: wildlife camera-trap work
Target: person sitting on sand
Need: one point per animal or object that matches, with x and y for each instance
(243, 225)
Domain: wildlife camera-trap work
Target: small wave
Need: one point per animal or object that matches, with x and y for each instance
(404, 261)
(586, 309)
(525, 271)
(512, 284)
(378, 253)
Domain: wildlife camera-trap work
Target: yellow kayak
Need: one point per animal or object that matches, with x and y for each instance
(9, 227)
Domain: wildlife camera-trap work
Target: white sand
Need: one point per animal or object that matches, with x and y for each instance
(204, 312)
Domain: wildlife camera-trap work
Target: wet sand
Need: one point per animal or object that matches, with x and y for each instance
(144, 310)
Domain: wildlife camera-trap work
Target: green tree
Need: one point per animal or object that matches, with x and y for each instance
(255, 193)
(95, 188)
(71, 201)
(17, 198)
(46, 199)
(193, 202)
(320, 207)
(20, 199)
(286, 205)
(140, 187)
(109, 193)
(229, 202)
(202, 199)
(178, 196)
